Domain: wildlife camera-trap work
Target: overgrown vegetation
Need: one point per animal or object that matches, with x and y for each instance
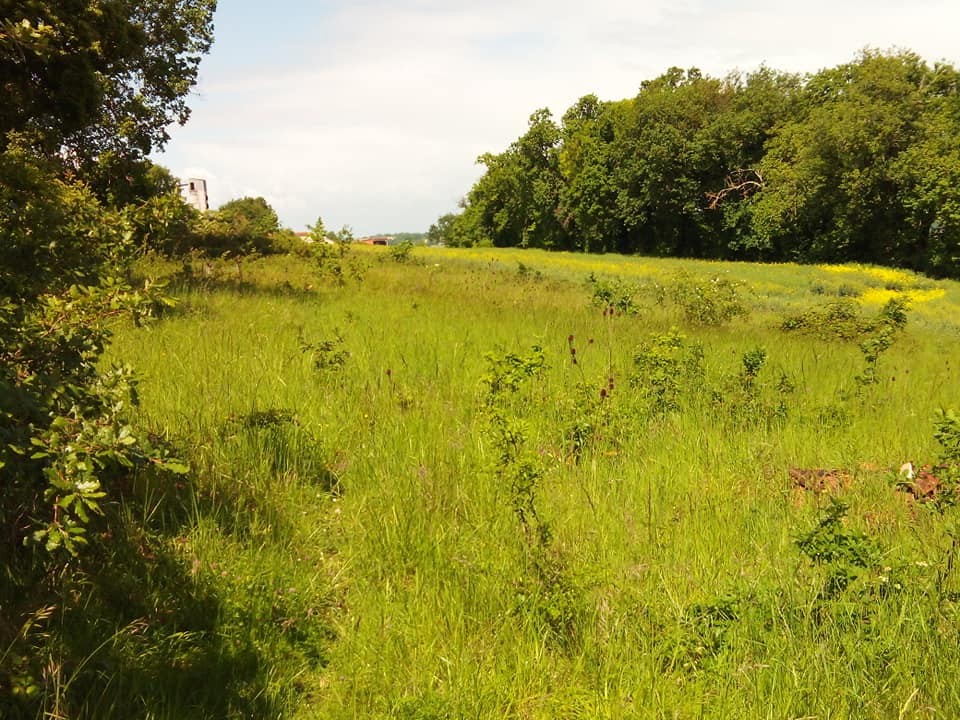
(630, 507)
(338, 489)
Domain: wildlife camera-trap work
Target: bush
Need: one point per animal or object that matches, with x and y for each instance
(714, 302)
(67, 449)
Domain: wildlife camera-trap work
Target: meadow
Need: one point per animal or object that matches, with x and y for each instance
(450, 483)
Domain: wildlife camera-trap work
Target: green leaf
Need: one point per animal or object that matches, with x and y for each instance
(175, 466)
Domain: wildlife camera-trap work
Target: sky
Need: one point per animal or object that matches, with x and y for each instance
(372, 113)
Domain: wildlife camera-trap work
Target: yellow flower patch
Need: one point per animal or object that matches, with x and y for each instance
(878, 296)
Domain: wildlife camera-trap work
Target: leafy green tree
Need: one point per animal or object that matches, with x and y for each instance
(92, 77)
(318, 232)
(89, 87)
(240, 227)
(250, 216)
(440, 231)
(515, 202)
(588, 159)
(670, 160)
(853, 176)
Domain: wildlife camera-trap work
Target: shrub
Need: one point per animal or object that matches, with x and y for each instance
(714, 302)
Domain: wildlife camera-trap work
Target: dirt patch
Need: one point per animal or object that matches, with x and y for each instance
(924, 483)
(819, 480)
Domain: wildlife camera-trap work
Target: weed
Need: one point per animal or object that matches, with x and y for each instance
(545, 589)
(613, 295)
(947, 433)
(276, 438)
(401, 252)
(839, 320)
(880, 335)
(589, 418)
(338, 262)
(666, 368)
(703, 632)
(505, 374)
(525, 272)
(328, 355)
(748, 399)
(844, 553)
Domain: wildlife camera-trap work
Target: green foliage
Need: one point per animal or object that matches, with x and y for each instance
(714, 302)
(458, 229)
(525, 272)
(505, 374)
(337, 262)
(318, 231)
(416, 587)
(613, 295)
(545, 590)
(750, 399)
(948, 435)
(845, 553)
(326, 355)
(590, 419)
(857, 162)
(666, 370)
(91, 88)
(704, 632)
(68, 448)
(163, 223)
(843, 320)
(54, 233)
(402, 252)
(95, 79)
(881, 334)
(839, 320)
(250, 217)
(244, 226)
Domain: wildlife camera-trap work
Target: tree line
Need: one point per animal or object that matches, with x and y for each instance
(860, 162)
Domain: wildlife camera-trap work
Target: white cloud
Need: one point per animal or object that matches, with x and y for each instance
(378, 123)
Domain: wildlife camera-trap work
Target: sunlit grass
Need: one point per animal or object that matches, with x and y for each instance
(370, 558)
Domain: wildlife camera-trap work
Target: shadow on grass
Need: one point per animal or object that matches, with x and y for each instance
(134, 628)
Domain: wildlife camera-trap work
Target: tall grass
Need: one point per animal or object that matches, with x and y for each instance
(350, 514)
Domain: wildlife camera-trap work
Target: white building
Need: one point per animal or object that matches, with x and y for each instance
(196, 192)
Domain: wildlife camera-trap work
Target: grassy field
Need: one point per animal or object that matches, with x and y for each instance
(478, 484)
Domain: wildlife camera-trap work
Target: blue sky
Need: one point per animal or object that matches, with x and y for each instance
(371, 113)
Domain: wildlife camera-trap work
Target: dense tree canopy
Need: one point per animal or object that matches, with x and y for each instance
(89, 77)
(857, 162)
